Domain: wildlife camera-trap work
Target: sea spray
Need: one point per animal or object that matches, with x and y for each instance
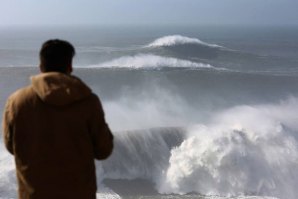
(153, 106)
(245, 151)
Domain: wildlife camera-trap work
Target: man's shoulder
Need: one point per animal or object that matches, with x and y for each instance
(94, 103)
(22, 94)
(24, 91)
(93, 99)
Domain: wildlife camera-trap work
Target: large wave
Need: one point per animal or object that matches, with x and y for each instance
(173, 40)
(150, 61)
(245, 150)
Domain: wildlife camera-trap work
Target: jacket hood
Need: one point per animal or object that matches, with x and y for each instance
(59, 89)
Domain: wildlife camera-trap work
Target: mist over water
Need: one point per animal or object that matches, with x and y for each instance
(196, 113)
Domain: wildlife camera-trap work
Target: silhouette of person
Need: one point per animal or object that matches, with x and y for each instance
(55, 128)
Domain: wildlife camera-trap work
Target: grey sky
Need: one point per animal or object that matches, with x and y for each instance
(71, 12)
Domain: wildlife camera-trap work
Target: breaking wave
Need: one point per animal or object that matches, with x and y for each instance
(173, 40)
(245, 150)
(150, 61)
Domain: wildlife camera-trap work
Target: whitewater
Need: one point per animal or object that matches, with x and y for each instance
(196, 113)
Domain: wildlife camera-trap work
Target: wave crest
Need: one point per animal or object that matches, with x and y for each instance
(173, 40)
(150, 61)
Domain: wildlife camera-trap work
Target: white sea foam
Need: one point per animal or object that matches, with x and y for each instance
(245, 150)
(149, 61)
(173, 40)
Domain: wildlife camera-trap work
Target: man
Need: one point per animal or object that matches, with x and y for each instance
(55, 127)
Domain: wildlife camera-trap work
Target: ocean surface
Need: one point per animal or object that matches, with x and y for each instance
(199, 112)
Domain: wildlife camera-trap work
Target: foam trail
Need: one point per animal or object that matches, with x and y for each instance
(150, 61)
(173, 40)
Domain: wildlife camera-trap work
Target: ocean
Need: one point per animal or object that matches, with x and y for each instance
(198, 112)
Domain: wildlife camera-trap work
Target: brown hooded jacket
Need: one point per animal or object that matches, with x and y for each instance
(55, 128)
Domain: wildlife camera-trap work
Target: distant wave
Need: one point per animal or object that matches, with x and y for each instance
(184, 47)
(150, 61)
(173, 40)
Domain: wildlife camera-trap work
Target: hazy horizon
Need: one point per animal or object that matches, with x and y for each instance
(154, 12)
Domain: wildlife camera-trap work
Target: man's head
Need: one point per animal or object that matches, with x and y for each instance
(56, 56)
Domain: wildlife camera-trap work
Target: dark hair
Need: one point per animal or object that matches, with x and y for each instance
(56, 55)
